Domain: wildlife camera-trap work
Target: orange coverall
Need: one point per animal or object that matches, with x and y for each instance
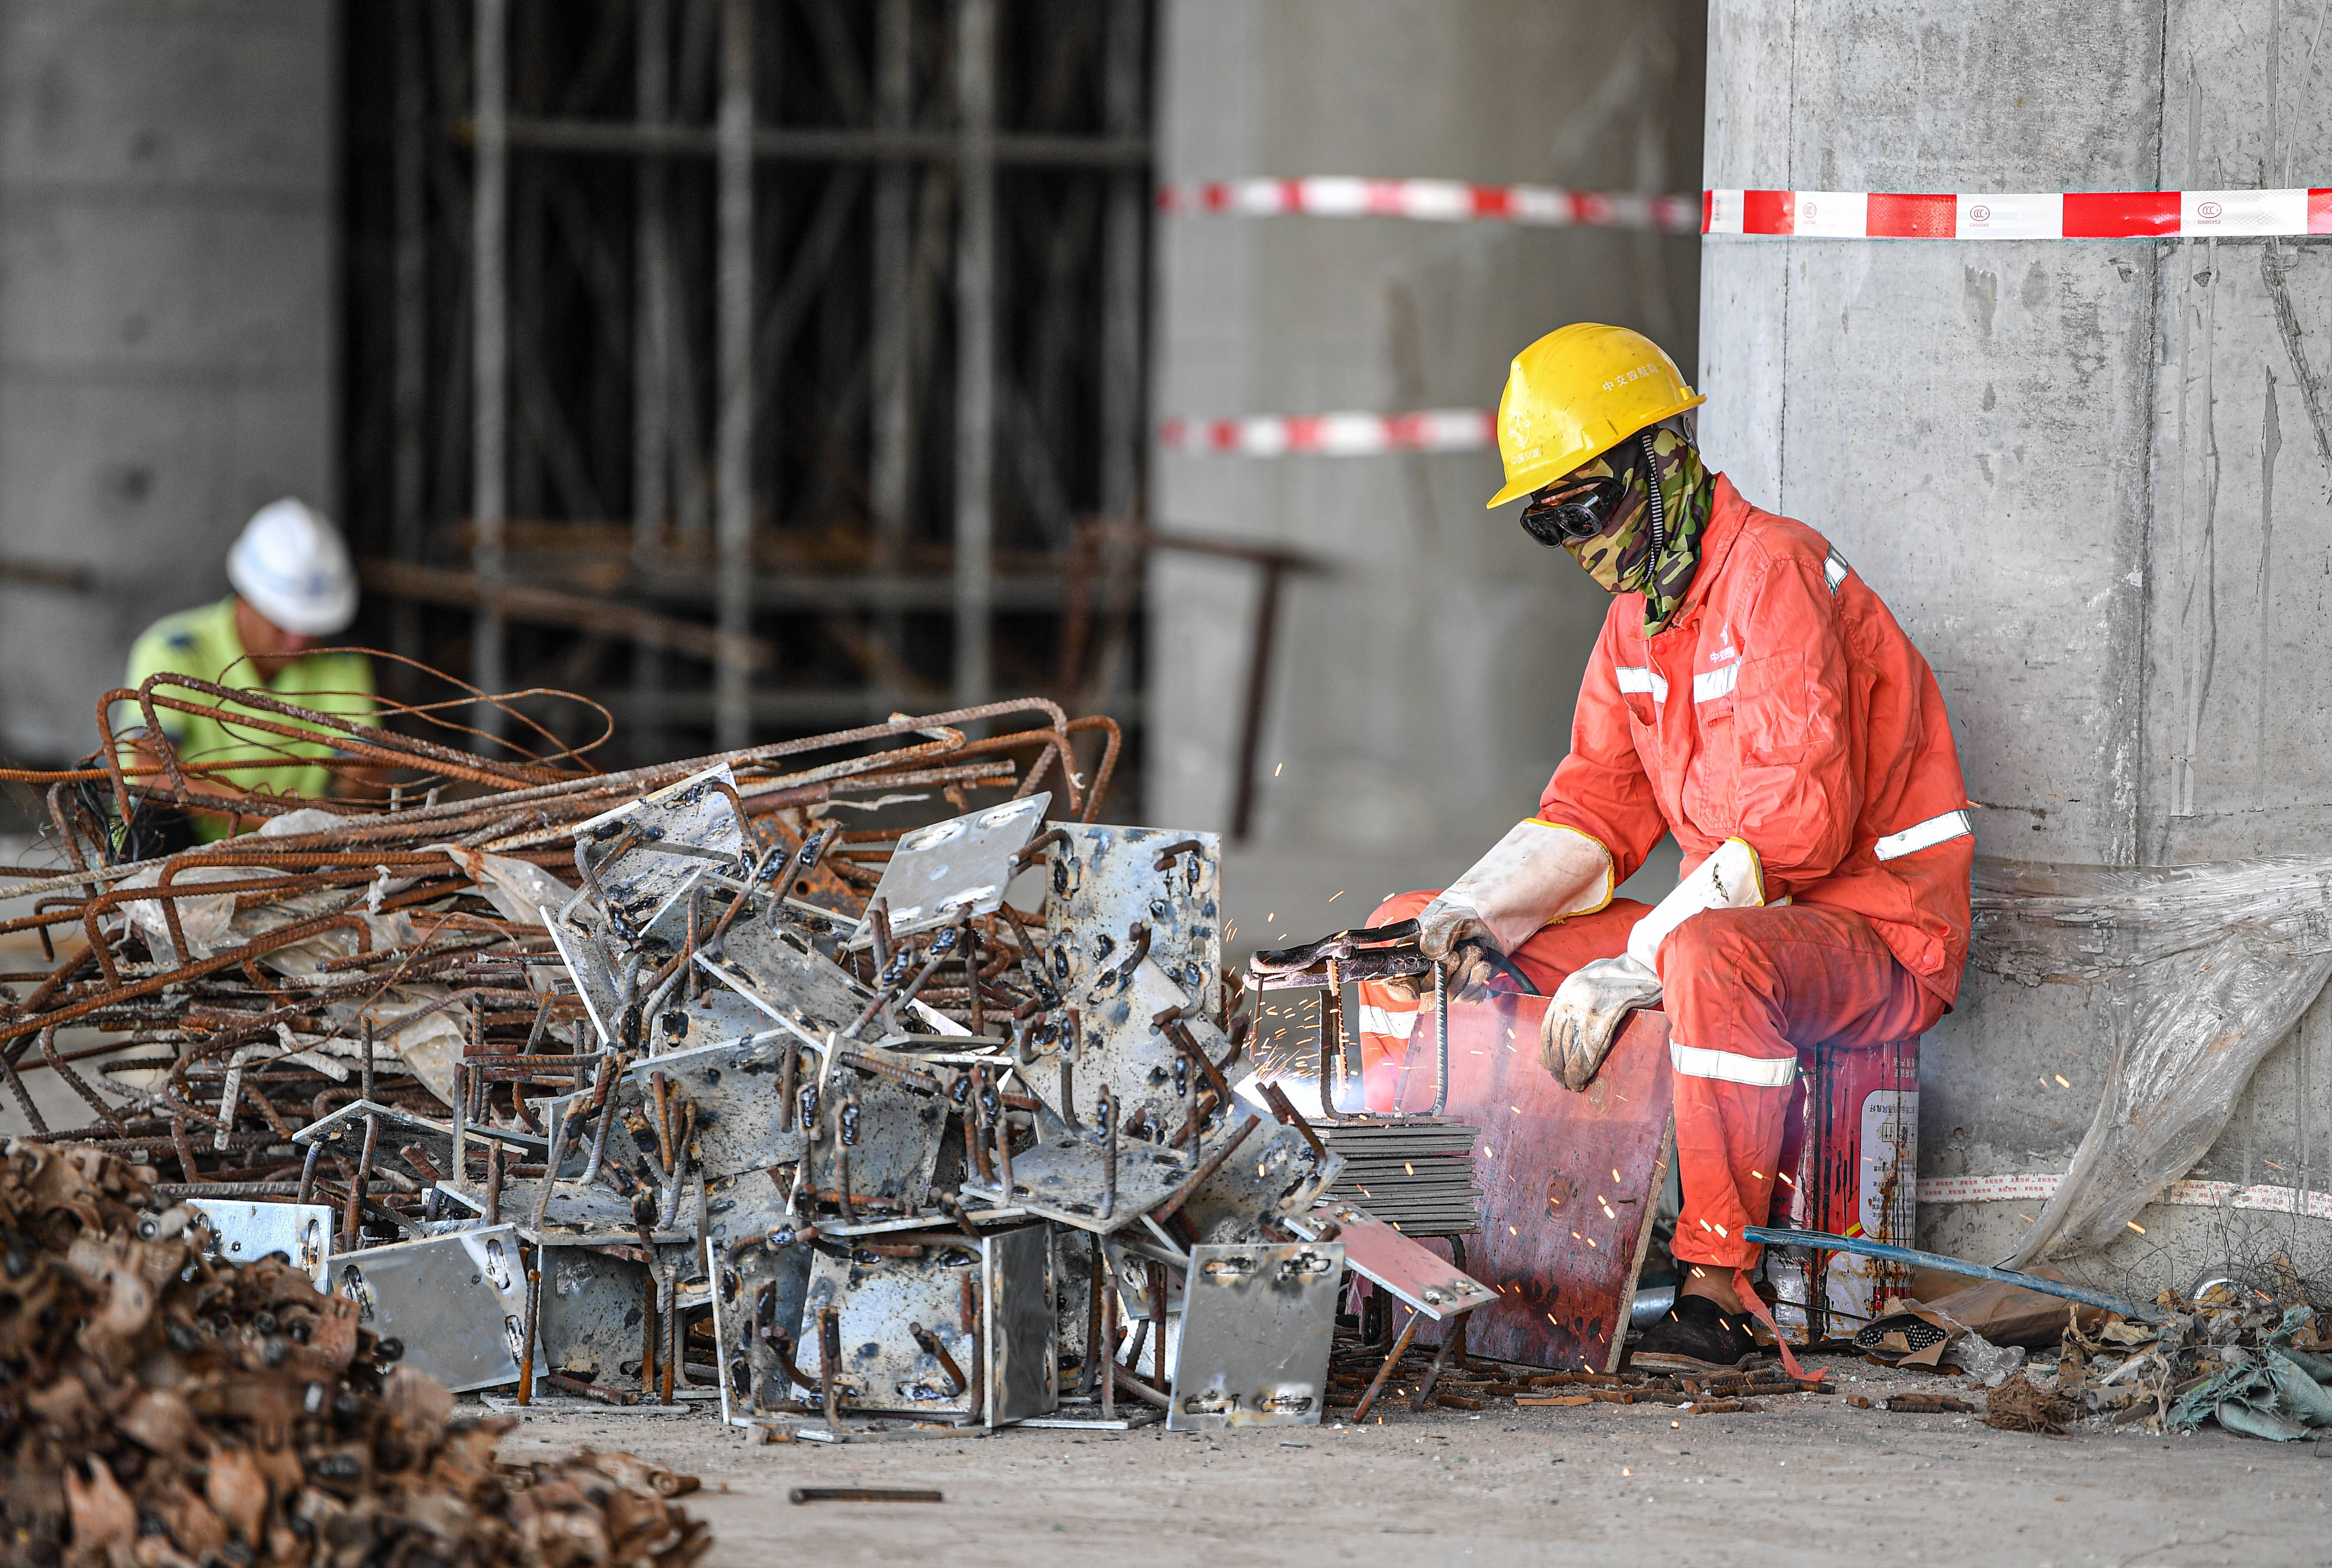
(1783, 706)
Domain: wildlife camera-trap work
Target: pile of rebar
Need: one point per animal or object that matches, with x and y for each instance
(669, 1083)
(227, 992)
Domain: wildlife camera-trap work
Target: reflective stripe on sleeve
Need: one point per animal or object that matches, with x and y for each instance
(1711, 684)
(1834, 571)
(1925, 835)
(1384, 1021)
(1731, 1067)
(1642, 678)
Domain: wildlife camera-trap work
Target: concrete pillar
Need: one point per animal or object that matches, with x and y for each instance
(166, 299)
(2088, 476)
(1423, 687)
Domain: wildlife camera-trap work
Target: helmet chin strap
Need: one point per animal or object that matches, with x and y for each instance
(1652, 495)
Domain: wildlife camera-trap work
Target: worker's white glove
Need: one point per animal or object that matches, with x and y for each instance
(1537, 873)
(1732, 878)
(1576, 1033)
(1577, 1030)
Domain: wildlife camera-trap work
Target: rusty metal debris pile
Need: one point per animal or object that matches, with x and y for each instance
(349, 951)
(2255, 1360)
(163, 1409)
(682, 1084)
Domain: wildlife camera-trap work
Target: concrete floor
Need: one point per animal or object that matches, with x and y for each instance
(1807, 1480)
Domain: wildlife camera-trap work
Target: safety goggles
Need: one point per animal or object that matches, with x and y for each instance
(1566, 513)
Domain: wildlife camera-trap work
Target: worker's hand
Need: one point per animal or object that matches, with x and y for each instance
(1445, 922)
(1450, 932)
(1470, 969)
(1584, 1019)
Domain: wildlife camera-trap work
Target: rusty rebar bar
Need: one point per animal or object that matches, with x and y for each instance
(1105, 1344)
(829, 1354)
(1157, 1325)
(1376, 1385)
(526, 1360)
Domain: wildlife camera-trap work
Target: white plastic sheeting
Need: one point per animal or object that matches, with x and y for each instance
(2203, 968)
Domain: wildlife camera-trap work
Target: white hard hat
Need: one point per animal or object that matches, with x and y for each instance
(290, 564)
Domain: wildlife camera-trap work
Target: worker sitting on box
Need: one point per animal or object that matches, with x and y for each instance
(1750, 694)
(294, 585)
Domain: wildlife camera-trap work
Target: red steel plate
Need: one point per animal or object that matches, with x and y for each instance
(1560, 1234)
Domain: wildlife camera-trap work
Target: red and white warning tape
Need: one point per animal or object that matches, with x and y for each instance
(1804, 214)
(1853, 215)
(1840, 215)
(1433, 201)
(2039, 1187)
(1334, 434)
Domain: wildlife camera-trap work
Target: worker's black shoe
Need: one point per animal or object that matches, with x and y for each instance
(1696, 1335)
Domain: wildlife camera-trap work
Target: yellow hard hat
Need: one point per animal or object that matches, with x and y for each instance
(1576, 391)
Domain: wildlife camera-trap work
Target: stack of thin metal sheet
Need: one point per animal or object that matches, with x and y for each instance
(1417, 1173)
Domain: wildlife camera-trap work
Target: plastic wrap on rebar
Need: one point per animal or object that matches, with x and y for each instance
(2201, 969)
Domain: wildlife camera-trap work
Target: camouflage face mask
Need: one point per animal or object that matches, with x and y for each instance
(1629, 554)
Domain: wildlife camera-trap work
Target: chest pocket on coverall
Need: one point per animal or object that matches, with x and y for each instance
(1643, 726)
(1709, 783)
(1778, 711)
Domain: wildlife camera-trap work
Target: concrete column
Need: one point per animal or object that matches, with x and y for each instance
(2087, 475)
(1422, 690)
(166, 321)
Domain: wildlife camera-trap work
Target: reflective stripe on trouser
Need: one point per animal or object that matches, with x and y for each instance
(1742, 984)
(1739, 987)
(1730, 1067)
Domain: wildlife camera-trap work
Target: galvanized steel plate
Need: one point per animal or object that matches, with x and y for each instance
(1273, 1173)
(1257, 1325)
(1409, 1269)
(742, 1123)
(595, 980)
(645, 883)
(882, 1369)
(756, 1287)
(244, 1232)
(937, 874)
(787, 978)
(577, 1215)
(1122, 1048)
(898, 1135)
(1565, 1264)
(457, 1302)
(1023, 1363)
(1063, 1180)
(342, 1134)
(717, 1013)
(744, 1207)
(1104, 879)
(590, 1312)
(1074, 1252)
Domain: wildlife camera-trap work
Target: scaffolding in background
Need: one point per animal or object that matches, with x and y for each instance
(751, 365)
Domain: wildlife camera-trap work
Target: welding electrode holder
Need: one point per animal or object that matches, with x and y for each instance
(1381, 952)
